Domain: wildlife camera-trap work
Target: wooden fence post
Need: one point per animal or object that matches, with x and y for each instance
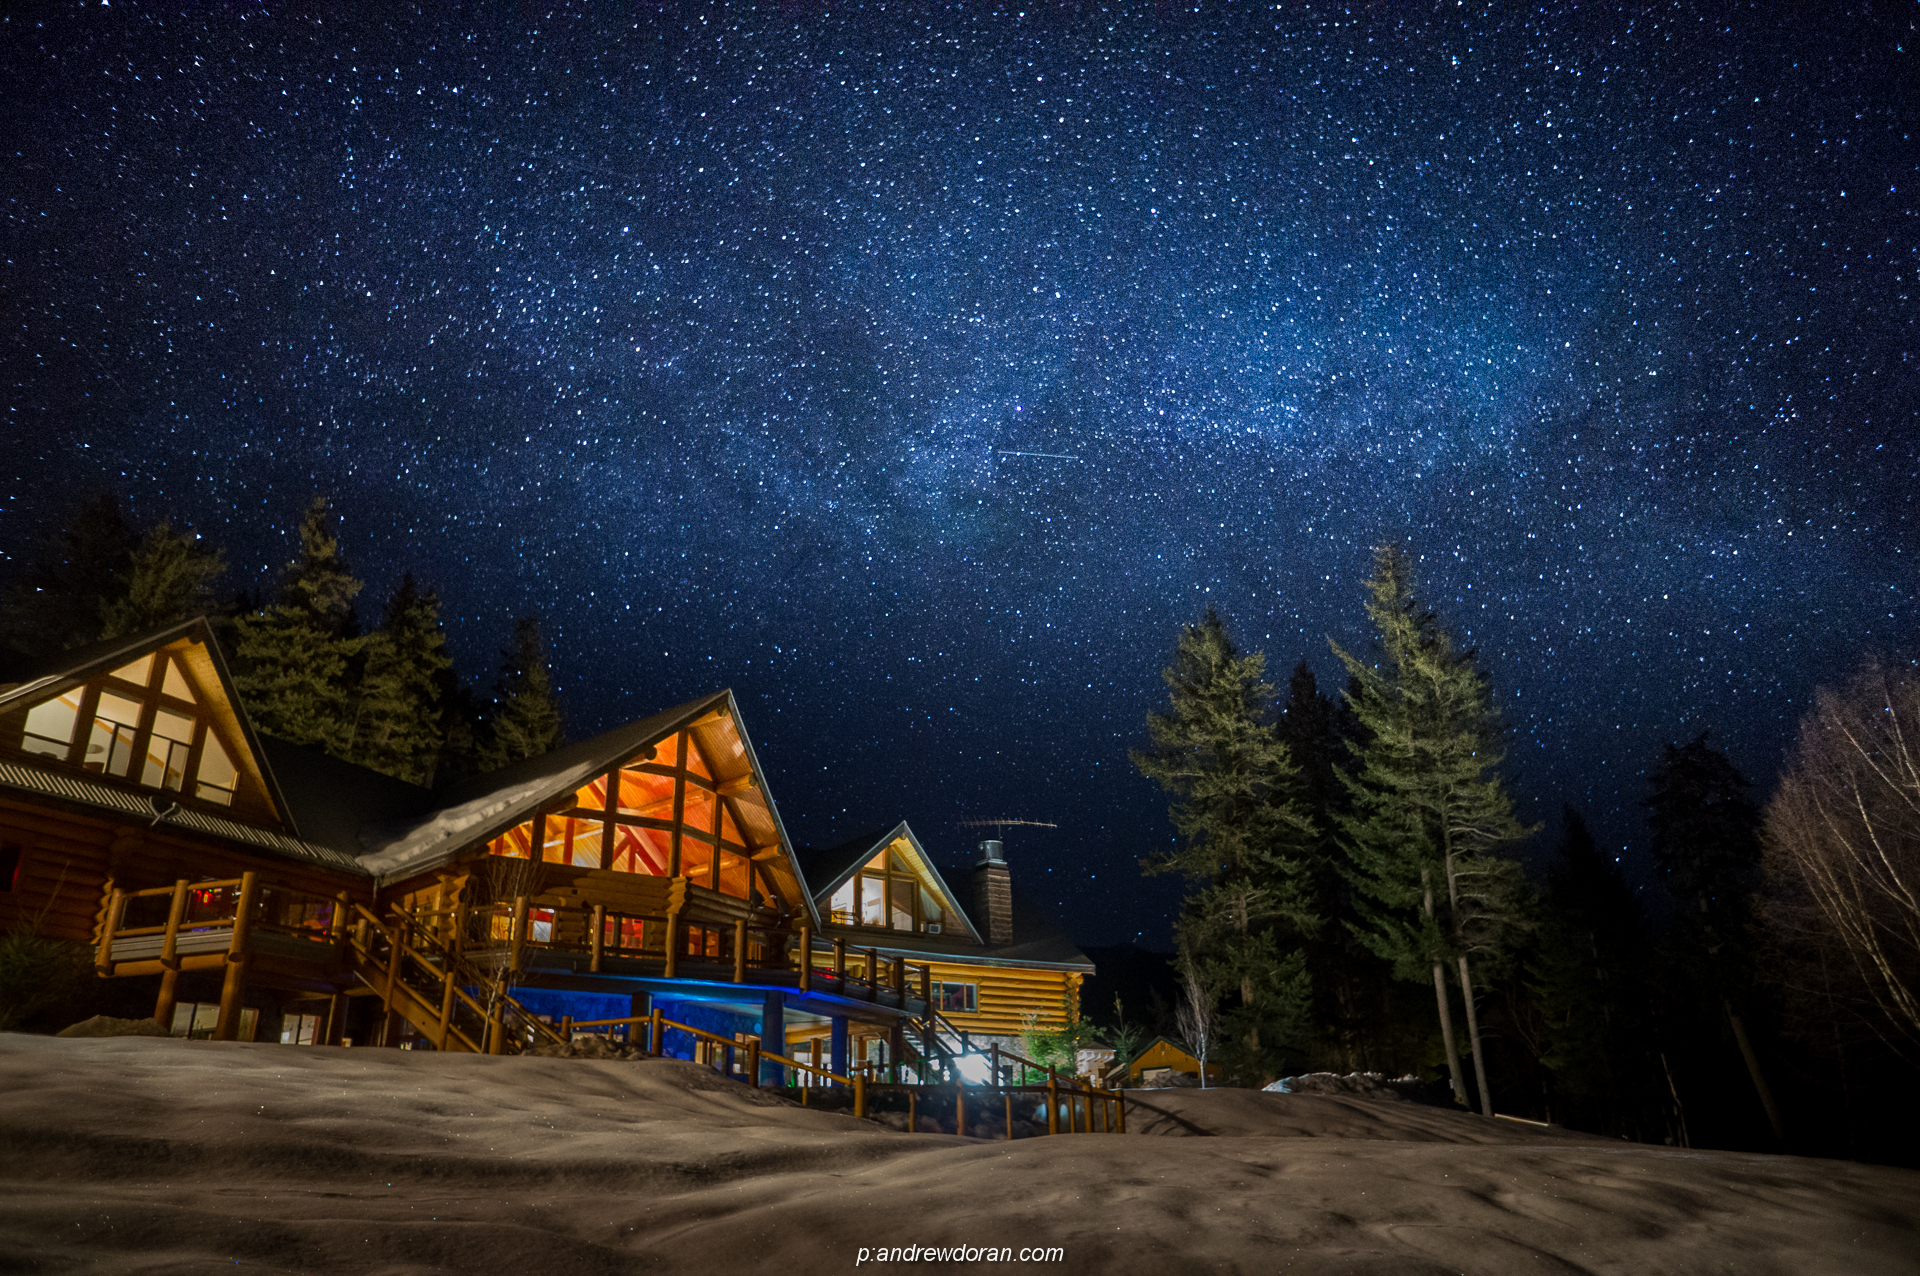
(860, 1092)
(1053, 1101)
(656, 1036)
(753, 1062)
(1008, 1096)
(960, 1109)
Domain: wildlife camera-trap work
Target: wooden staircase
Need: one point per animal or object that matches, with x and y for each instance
(420, 973)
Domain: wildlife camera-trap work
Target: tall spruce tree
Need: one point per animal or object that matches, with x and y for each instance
(1243, 840)
(294, 655)
(169, 578)
(397, 727)
(1428, 806)
(74, 575)
(525, 721)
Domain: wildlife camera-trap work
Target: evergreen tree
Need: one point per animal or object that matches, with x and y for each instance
(1352, 987)
(1243, 839)
(1706, 844)
(294, 655)
(74, 576)
(169, 579)
(526, 718)
(1589, 987)
(396, 726)
(1428, 806)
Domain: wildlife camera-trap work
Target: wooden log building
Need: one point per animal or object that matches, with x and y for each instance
(266, 891)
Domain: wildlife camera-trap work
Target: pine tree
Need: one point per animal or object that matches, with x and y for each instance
(1426, 812)
(396, 726)
(1243, 837)
(76, 574)
(526, 718)
(170, 578)
(294, 655)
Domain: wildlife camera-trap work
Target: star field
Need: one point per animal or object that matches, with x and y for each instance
(917, 372)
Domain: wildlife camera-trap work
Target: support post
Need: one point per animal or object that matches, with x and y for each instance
(673, 945)
(446, 1012)
(806, 959)
(872, 975)
(740, 950)
(519, 933)
(336, 1019)
(170, 958)
(1009, 1098)
(657, 1035)
(342, 909)
(233, 989)
(753, 1062)
(960, 1108)
(1053, 1101)
(838, 1044)
(840, 961)
(103, 959)
(599, 936)
(773, 1032)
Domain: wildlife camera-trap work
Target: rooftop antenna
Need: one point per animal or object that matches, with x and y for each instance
(999, 826)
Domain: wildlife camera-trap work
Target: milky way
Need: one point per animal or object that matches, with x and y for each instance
(917, 374)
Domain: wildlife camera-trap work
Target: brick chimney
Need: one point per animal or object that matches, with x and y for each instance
(993, 895)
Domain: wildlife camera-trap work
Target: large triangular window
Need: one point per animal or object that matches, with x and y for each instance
(888, 893)
(663, 813)
(145, 723)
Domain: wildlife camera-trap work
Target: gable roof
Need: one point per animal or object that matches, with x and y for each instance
(200, 651)
(1036, 941)
(829, 868)
(486, 806)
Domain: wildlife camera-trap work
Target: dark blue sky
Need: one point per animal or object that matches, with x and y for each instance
(917, 371)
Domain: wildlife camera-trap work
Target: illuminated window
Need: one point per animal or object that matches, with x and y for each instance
(142, 722)
(50, 725)
(216, 779)
(886, 893)
(956, 999)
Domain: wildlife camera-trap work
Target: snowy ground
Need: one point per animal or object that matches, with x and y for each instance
(153, 1155)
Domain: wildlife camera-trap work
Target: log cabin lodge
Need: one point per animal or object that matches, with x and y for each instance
(265, 891)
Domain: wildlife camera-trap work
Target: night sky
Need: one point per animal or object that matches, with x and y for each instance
(917, 372)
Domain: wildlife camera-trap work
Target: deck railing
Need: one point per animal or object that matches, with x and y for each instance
(465, 1006)
(1079, 1107)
